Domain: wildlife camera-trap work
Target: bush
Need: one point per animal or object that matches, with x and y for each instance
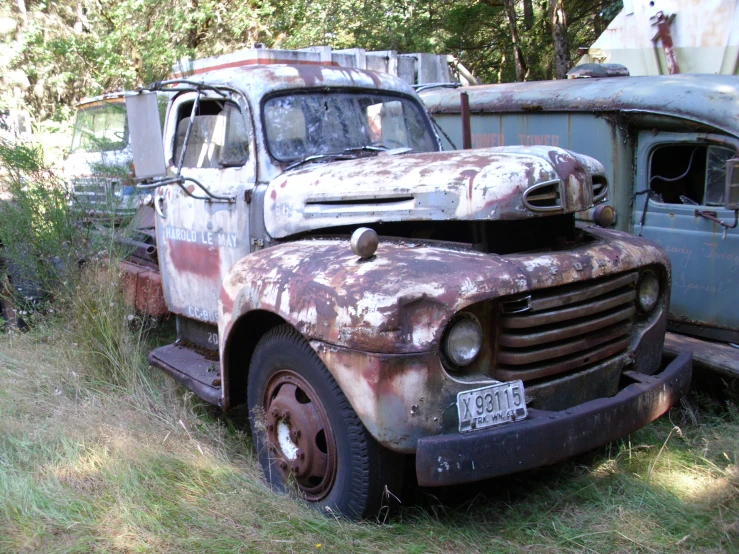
(43, 241)
(51, 255)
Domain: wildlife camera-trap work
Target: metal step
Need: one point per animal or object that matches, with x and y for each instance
(196, 369)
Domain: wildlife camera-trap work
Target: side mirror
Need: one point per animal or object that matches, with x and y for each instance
(731, 195)
(146, 135)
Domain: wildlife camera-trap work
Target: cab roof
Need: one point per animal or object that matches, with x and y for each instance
(257, 81)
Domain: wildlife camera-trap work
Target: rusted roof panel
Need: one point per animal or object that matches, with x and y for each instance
(708, 99)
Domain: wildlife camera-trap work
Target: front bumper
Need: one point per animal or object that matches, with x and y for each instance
(546, 437)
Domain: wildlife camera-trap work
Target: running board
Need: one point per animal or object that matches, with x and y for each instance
(194, 370)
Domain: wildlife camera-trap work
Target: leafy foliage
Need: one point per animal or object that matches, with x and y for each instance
(53, 53)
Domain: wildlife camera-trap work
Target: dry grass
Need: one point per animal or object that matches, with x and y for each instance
(89, 463)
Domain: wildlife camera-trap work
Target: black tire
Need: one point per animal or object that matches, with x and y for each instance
(308, 437)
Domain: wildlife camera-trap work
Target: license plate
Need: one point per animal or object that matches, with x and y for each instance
(492, 405)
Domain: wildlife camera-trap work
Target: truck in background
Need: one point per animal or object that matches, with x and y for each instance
(370, 297)
(98, 166)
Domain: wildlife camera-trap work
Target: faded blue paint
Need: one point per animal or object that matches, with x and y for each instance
(595, 137)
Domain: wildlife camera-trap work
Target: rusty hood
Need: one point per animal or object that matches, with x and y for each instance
(484, 184)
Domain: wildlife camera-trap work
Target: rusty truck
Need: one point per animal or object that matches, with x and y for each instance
(374, 300)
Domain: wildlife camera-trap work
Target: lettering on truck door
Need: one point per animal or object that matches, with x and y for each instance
(200, 240)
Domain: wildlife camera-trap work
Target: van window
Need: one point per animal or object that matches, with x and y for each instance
(689, 173)
(218, 137)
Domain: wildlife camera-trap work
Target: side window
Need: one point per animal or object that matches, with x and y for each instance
(688, 173)
(219, 136)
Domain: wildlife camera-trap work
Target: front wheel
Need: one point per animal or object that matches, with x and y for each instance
(308, 436)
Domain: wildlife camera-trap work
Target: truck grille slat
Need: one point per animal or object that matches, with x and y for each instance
(578, 294)
(587, 358)
(599, 305)
(559, 333)
(567, 328)
(563, 348)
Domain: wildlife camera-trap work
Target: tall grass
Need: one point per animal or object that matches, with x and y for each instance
(58, 265)
(110, 338)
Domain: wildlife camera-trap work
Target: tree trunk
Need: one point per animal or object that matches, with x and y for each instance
(21, 5)
(194, 35)
(528, 14)
(598, 20)
(521, 69)
(559, 37)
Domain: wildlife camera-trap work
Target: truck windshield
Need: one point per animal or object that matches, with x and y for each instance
(100, 128)
(314, 124)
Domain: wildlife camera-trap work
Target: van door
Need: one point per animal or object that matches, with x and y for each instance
(200, 239)
(679, 175)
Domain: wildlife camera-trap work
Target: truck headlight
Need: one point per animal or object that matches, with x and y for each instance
(647, 291)
(463, 340)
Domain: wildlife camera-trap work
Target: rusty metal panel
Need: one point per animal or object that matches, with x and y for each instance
(585, 133)
(546, 437)
(474, 185)
(142, 288)
(707, 99)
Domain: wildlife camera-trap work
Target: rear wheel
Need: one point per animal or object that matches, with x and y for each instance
(308, 436)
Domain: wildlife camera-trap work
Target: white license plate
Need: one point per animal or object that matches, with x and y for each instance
(492, 405)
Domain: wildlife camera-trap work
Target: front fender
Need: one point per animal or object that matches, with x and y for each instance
(396, 302)
(377, 323)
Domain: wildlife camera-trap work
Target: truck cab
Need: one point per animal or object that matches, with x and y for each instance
(97, 166)
(370, 297)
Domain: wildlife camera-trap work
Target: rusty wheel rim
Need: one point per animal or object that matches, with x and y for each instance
(299, 434)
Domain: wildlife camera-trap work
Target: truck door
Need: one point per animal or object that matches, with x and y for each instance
(200, 239)
(679, 175)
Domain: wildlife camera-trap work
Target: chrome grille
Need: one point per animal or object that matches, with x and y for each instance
(92, 190)
(566, 328)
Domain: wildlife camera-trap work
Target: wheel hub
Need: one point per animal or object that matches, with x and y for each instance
(299, 434)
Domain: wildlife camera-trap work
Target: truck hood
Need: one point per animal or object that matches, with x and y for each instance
(483, 184)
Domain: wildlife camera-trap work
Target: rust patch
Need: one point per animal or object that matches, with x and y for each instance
(192, 257)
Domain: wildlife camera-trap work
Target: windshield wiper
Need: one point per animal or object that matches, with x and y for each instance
(348, 154)
(316, 157)
(367, 148)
